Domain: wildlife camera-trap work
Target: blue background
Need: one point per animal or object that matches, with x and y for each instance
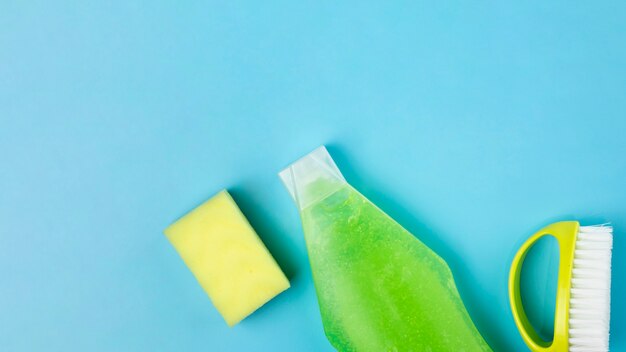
(473, 124)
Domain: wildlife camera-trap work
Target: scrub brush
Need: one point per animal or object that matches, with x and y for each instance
(583, 297)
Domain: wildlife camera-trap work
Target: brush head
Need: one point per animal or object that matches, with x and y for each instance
(590, 295)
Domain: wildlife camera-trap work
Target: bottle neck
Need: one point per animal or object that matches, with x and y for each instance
(312, 178)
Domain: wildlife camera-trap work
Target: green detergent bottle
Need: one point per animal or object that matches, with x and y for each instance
(378, 287)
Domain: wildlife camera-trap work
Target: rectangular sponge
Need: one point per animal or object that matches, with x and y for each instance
(227, 257)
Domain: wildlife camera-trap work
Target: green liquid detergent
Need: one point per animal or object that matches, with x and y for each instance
(379, 288)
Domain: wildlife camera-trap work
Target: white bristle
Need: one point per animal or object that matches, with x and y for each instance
(590, 300)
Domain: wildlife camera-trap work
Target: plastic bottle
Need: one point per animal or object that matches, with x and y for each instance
(379, 288)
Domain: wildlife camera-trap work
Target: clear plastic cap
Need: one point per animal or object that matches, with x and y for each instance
(312, 178)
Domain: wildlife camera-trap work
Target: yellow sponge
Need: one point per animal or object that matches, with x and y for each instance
(227, 257)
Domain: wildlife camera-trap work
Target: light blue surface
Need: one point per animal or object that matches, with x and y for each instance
(473, 124)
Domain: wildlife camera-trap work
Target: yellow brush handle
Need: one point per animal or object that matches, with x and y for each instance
(565, 233)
